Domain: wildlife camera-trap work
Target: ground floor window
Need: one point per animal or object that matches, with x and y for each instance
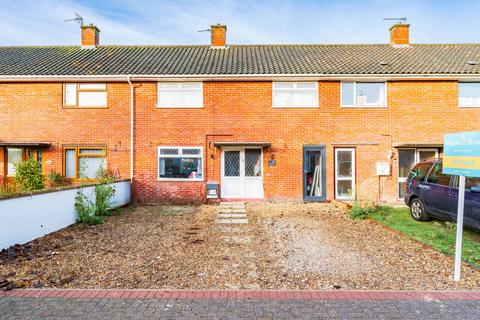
(407, 158)
(180, 163)
(345, 173)
(15, 155)
(84, 162)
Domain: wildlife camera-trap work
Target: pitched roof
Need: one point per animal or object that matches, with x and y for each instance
(241, 60)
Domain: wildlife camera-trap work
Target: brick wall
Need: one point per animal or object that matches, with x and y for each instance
(418, 112)
(33, 112)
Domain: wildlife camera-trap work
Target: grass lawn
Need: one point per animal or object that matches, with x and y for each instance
(438, 234)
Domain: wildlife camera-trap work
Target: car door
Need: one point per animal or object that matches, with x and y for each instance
(471, 210)
(436, 192)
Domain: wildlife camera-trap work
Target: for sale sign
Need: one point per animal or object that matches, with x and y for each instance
(461, 154)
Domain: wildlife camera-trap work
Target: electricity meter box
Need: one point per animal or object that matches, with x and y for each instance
(212, 190)
(383, 168)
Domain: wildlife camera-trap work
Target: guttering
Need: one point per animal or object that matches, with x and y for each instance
(131, 128)
(243, 77)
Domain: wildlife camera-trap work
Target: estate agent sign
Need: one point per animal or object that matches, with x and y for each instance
(461, 156)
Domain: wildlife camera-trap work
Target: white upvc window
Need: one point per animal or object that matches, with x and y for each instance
(345, 173)
(85, 95)
(295, 95)
(363, 94)
(180, 95)
(407, 158)
(180, 163)
(469, 94)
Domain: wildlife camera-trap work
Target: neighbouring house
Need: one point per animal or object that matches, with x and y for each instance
(310, 122)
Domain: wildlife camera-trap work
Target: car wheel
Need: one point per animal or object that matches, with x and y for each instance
(417, 210)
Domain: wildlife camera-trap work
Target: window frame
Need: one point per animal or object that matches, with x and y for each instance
(417, 160)
(353, 151)
(385, 90)
(317, 99)
(458, 95)
(77, 93)
(180, 155)
(78, 155)
(201, 106)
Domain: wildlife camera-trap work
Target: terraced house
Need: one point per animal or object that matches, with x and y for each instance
(310, 122)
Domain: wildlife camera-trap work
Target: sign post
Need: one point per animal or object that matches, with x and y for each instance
(461, 156)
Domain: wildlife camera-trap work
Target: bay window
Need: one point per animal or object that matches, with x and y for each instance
(180, 163)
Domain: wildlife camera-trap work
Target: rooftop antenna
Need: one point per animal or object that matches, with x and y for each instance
(78, 19)
(399, 20)
(206, 30)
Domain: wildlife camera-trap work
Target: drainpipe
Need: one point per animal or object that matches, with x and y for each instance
(131, 128)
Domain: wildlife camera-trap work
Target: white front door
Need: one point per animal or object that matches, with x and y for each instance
(242, 173)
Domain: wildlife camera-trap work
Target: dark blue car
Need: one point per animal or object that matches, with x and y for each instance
(431, 194)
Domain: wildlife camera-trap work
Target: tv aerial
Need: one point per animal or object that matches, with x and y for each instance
(399, 20)
(78, 19)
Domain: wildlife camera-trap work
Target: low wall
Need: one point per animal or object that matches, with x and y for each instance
(25, 218)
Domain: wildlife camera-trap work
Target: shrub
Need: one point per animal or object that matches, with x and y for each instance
(358, 212)
(28, 175)
(103, 197)
(86, 209)
(8, 189)
(56, 179)
(105, 176)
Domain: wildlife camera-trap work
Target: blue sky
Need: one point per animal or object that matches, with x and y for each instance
(29, 22)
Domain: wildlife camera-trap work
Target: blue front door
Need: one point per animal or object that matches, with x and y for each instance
(314, 173)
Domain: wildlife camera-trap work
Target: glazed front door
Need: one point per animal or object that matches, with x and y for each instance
(242, 173)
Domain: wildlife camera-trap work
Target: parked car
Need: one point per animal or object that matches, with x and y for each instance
(432, 194)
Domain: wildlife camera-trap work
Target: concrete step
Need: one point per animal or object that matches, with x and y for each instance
(232, 204)
(232, 215)
(232, 221)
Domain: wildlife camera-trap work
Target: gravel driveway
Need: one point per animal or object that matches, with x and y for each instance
(283, 246)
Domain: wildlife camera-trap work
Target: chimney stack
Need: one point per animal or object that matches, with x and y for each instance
(399, 35)
(90, 36)
(218, 36)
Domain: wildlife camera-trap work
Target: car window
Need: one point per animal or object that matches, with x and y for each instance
(436, 176)
(419, 171)
(471, 182)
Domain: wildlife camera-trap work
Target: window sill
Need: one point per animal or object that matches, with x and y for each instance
(281, 107)
(162, 107)
(468, 107)
(363, 107)
(93, 107)
(179, 180)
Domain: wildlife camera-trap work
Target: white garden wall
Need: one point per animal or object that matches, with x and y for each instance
(26, 218)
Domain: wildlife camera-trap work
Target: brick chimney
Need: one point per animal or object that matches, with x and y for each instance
(90, 36)
(218, 35)
(399, 35)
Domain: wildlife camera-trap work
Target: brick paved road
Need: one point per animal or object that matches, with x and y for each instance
(301, 305)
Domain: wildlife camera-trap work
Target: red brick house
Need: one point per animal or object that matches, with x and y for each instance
(309, 122)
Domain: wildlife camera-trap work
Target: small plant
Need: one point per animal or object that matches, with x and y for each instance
(105, 175)
(86, 209)
(28, 175)
(8, 189)
(103, 198)
(56, 179)
(359, 212)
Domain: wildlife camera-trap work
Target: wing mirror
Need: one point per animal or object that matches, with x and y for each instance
(475, 189)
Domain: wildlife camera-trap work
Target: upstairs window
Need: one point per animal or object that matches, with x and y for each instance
(180, 95)
(85, 95)
(180, 163)
(295, 95)
(363, 94)
(469, 94)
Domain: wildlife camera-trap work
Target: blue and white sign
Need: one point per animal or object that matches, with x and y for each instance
(461, 154)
